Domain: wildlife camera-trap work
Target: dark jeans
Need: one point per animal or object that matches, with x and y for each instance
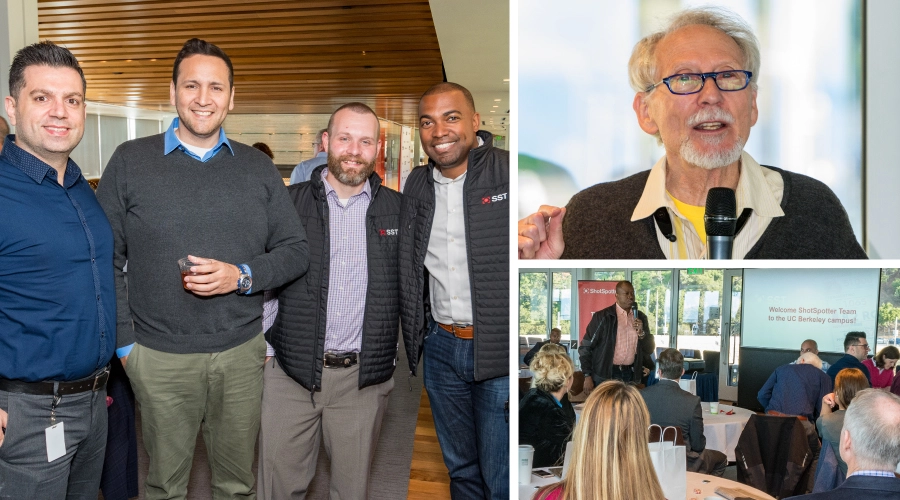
(24, 470)
(470, 418)
(626, 376)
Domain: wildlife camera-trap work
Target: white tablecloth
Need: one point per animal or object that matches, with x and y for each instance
(722, 431)
(705, 484)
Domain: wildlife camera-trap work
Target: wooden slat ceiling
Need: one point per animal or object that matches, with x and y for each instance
(305, 57)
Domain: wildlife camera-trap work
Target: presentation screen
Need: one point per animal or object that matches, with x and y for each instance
(784, 307)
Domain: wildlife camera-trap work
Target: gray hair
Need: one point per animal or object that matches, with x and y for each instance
(642, 65)
(810, 359)
(319, 136)
(873, 421)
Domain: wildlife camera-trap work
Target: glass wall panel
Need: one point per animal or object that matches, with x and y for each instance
(653, 294)
(113, 131)
(609, 275)
(888, 310)
(87, 154)
(561, 315)
(534, 289)
(146, 128)
(699, 310)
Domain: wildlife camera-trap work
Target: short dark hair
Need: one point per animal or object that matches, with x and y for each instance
(853, 338)
(196, 46)
(265, 149)
(4, 129)
(442, 87)
(671, 364)
(356, 107)
(556, 330)
(44, 53)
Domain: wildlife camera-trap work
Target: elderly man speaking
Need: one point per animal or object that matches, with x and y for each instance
(696, 92)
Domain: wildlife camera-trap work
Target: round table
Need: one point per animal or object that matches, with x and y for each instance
(721, 431)
(706, 484)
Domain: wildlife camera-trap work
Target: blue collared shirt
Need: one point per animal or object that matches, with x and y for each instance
(57, 294)
(172, 142)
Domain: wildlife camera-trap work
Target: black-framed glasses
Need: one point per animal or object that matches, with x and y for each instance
(691, 83)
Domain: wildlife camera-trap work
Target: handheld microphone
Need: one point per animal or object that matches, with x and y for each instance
(720, 222)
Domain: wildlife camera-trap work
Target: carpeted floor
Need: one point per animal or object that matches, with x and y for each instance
(393, 455)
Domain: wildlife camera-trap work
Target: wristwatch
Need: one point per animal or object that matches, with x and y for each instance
(245, 280)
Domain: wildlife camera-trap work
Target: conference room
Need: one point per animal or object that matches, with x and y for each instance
(733, 339)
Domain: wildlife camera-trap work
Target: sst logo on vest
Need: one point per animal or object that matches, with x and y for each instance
(388, 232)
(493, 199)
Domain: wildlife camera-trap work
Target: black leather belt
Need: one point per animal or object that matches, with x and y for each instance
(95, 382)
(341, 359)
(623, 368)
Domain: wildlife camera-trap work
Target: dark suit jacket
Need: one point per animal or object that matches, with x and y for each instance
(669, 405)
(860, 487)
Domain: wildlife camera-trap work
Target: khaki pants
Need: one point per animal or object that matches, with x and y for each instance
(349, 420)
(176, 393)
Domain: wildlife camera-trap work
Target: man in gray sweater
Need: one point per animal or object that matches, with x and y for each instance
(192, 347)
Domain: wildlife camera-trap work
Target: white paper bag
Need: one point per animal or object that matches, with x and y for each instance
(689, 384)
(670, 463)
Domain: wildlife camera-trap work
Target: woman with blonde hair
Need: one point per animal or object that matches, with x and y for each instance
(546, 417)
(848, 382)
(610, 459)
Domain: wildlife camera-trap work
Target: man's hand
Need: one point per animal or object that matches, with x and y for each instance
(646, 371)
(123, 360)
(3, 417)
(213, 277)
(267, 359)
(588, 384)
(639, 327)
(540, 234)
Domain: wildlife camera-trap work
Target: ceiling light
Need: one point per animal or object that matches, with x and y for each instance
(496, 100)
(496, 106)
(506, 79)
(492, 111)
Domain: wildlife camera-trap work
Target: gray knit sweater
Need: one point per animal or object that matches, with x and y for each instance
(815, 225)
(233, 208)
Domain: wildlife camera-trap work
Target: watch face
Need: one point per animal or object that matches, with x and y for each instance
(245, 283)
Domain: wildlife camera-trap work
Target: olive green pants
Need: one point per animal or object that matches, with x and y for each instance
(176, 393)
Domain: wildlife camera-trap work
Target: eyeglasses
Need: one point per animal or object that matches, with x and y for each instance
(691, 83)
(863, 345)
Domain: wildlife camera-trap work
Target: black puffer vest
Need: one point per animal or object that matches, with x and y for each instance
(298, 334)
(486, 192)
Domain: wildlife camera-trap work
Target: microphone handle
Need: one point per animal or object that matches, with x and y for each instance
(720, 247)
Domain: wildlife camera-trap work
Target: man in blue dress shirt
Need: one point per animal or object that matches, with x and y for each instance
(796, 389)
(57, 297)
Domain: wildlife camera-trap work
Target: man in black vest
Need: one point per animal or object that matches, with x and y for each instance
(336, 333)
(695, 82)
(455, 289)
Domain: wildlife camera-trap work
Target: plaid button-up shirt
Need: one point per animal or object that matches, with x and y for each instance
(348, 278)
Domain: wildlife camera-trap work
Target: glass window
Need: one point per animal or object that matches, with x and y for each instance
(888, 310)
(609, 275)
(699, 307)
(561, 315)
(653, 292)
(534, 289)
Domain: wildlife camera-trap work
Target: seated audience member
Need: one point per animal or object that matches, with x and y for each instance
(810, 345)
(555, 336)
(610, 459)
(546, 417)
(796, 389)
(670, 405)
(856, 349)
(846, 385)
(881, 367)
(870, 445)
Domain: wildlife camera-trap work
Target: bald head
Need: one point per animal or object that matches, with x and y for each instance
(809, 345)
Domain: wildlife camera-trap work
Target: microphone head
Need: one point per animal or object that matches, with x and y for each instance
(721, 212)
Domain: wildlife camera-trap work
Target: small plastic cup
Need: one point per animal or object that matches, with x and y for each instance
(185, 265)
(526, 455)
(714, 407)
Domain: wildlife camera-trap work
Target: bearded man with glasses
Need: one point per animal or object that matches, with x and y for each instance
(856, 350)
(696, 84)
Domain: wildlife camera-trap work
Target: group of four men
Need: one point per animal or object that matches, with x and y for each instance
(84, 277)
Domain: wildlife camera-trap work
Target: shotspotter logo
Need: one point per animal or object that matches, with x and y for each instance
(493, 199)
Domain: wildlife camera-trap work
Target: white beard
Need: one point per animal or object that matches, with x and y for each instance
(712, 160)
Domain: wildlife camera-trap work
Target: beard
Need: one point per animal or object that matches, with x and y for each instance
(713, 159)
(350, 177)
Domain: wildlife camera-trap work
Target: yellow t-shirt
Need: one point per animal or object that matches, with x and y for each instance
(693, 214)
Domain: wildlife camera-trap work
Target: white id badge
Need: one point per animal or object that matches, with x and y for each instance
(56, 441)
